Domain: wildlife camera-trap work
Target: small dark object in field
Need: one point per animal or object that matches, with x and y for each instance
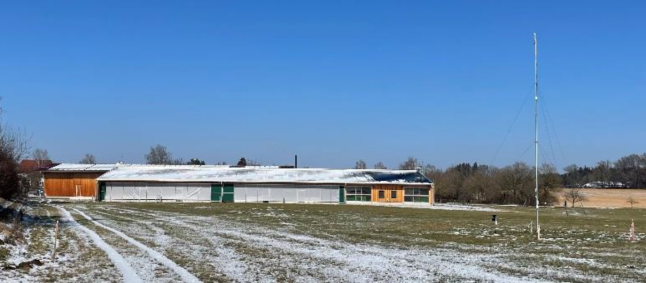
(24, 265)
(37, 262)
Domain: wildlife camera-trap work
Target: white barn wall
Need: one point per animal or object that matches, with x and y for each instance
(287, 193)
(129, 191)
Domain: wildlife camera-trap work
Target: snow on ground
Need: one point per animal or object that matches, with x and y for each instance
(183, 273)
(76, 258)
(231, 245)
(248, 253)
(128, 273)
(463, 207)
(441, 206)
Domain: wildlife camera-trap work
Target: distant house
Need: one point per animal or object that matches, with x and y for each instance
(30, 171)
(600, 184)
(30, 165)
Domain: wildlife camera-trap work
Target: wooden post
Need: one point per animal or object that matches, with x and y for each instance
(55, 240)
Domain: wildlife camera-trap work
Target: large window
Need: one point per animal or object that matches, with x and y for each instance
(415, 195)
(358, 193)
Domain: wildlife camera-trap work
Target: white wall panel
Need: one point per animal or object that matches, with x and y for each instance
(287, 193)
(118, 191)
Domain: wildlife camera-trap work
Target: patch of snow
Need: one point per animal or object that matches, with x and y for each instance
(183, 273)
(443, 206)
(129, 274)
(262, 175)
(334, 260)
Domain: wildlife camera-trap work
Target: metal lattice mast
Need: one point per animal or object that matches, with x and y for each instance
(538, 226)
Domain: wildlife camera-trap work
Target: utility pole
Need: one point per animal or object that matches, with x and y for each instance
(538, 226)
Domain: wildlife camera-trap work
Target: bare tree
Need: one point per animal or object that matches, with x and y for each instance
(9, 181)
(574, 195)
(550, 183)
(88, 159)
(13, 142)
(410, 164)
(13, 147)
(632, 201)
(380, 165)
(40, 156)
(159, 154)
(360, 164)
(252, 162)
(602, 172)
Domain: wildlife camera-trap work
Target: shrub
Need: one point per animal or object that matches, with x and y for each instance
(9, 180)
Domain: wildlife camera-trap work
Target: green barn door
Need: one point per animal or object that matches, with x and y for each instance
(227, 193)
(216, 193)
(341, 194)
(102, 191)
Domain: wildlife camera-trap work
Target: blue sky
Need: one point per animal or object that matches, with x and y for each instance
(331, 81)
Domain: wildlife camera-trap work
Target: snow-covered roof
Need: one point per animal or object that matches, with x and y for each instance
(259, 174)
(73, 167)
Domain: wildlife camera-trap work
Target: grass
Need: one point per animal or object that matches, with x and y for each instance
(591, 241)
(77, 258)
(582, 246)
(4, 254)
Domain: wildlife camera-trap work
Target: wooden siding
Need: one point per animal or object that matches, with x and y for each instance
(387, 193)
(71, 184)
(400, 193)
(431, 194)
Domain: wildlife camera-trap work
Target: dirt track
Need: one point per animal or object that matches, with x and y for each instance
(611, 198)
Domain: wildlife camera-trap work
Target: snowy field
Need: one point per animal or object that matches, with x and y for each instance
(150, 242)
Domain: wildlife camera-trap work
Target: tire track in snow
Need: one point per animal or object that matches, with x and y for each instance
(337, 261)
(228, 261)
(128, 273)
(183, 273)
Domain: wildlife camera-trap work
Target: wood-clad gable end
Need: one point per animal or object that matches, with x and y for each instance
(71, 184)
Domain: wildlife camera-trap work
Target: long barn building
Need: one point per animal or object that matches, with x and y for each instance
(213, 183)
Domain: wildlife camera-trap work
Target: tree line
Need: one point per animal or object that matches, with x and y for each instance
(474, 183)
(160, 155)
(515, 184)
(627, 172)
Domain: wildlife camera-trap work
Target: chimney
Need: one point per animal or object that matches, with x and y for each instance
(295, 161)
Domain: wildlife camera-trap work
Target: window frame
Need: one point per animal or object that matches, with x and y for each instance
(358, 193)
(417, 194)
